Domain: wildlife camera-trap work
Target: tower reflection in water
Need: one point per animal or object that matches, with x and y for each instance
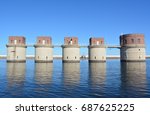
(97, 75)
(133, 80)
(71, 74)
(43, 80)
(43, 73)
(16, 79)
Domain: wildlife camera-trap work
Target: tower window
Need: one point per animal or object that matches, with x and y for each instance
(139, 41)
(70, 42)
(125, 41)
(139, 49)
(67, 57)
(75, 57)
(95, 57)
(75, 41)
(132, 40)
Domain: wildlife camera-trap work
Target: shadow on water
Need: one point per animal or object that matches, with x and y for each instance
(133, 79)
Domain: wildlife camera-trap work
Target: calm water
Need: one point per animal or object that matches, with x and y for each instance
(110, 79)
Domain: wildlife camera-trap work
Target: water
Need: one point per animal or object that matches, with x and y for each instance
(89, 80)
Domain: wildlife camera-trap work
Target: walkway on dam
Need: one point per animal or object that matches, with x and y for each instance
(81, 46)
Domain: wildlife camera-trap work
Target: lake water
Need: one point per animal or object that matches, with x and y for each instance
(84, 79)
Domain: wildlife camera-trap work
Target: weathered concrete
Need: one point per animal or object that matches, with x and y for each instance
(132, 47)
(71, 50)
(43, 50)
(16, 49)
(97, 50)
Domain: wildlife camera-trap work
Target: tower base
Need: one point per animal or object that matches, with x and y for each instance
(132, 60)
(96, 61)
(43, 61)
(16, 61)
(71, 61)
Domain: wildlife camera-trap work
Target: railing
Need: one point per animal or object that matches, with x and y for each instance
(113, 46)
(81, 46)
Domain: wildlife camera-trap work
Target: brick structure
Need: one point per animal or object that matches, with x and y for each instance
(43, 49)
(96, 41)
(132, 47)
(71, 41)
(44, 40)
(71, 50)
(97, 50)
(131, 39)
(16, 49)
(16, 40)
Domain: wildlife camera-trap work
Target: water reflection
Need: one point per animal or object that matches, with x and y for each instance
(75, 80)
(43, 73)
(133, 79)
(15, 78)
(15, 73)
(97, 74)
(71, 74)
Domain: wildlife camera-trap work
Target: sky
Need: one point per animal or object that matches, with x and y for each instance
(80, 18)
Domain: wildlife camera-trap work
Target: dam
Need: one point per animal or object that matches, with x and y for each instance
(132, 48)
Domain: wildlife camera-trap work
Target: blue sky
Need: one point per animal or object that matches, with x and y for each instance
(81, 18)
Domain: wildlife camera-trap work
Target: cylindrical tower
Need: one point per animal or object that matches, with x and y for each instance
(132, 47)
(16, 49)
(71, 50)
(97, 50)
(43, 50)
